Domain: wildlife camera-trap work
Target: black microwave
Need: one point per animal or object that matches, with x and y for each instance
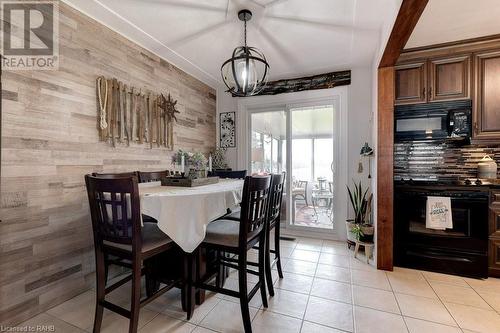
(434, 121)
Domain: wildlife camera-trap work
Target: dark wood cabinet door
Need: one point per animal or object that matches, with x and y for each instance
(487, 106)
(494, 257)
(411, 83)
(449, 78)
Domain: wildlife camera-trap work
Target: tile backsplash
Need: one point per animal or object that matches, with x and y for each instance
(430, 159)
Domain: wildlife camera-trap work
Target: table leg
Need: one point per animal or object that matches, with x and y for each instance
(201, 261)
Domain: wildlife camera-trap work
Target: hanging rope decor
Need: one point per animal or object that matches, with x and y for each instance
(130, 115)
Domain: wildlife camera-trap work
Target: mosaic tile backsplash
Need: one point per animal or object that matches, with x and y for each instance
(430, 159)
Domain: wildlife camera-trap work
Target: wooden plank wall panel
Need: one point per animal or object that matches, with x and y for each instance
(50, 140)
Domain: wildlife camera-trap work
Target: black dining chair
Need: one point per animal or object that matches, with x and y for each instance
(237, 238)
(273, 222)
(231, 174)
(116, 223)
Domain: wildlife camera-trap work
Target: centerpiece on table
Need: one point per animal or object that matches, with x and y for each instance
(192, 165)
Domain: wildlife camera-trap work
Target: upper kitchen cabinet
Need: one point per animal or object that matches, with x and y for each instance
(449, 78)
(411, 83)
(433, 80)
(487, 104)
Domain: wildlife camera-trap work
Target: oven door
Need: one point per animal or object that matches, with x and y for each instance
(469, 214)
(461, 250)
(418, 125)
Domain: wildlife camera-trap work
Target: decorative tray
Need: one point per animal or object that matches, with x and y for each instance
(186, 182)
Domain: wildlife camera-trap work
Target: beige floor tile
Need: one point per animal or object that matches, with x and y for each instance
(288, 303)
(375, 298)
(411, 286)
(113, 322)
(424, 308)
(305, 255)
(309, 244)
(460, 295)
(308, 327)
(488, 285)
(333, 290)
(286, 251)
(372, 279)
(333, 273)
(332, 247)
(270, 322)
(300, 267)
(407, 273)
(166, 324)
(174, 309)
(233, 284)
(475, 319)
(445, 278)
(422, 326)
(225, 317)
(360, 264)
(493, 299)
(330, 313)
(78, 311)
(369, 321)
(295, 282)
(52, 324)
(334, 259)
(200, 329)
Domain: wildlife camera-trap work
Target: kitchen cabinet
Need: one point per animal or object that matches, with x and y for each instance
(487, 96)
(449, 78)
(494, 234)
(411, 83)
(433, 79)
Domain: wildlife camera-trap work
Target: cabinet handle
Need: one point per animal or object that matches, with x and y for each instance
(476, 127)
(423, 92)
(430, 92)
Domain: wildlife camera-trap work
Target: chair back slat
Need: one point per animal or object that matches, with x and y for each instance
(115, 209)
(254, 205)
(152, 176)
(232, 174)
(276, 197)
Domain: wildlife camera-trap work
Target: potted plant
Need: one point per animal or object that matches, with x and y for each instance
(360, 228)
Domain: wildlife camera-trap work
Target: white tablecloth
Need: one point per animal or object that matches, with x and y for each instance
(183, 213)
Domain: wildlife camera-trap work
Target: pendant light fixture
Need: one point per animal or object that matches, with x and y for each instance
(245, 73)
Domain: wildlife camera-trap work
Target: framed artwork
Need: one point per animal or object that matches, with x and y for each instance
(227, 123)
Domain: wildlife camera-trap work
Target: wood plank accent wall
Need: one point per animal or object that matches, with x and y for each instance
(50, 140)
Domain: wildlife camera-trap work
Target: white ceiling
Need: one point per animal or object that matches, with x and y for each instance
(298, 37)
(451, 20)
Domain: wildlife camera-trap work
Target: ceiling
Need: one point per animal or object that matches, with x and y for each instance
(298, 37)
(452, 20)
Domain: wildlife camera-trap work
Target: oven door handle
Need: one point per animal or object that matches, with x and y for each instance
(434, 255)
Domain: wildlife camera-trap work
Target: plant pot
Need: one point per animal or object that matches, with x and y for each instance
(368, 232)
(349, 224)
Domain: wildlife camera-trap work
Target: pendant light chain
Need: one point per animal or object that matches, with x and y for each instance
(245, 34)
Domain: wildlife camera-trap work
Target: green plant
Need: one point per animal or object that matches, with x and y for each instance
(357, 231)
(359, 202)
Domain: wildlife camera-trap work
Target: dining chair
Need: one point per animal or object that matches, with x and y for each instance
(110, 175)
(237, 238)
(152, 176)
(273, 222)
(116, 223)
(232, 174)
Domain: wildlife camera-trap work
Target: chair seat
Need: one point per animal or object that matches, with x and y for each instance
(226, 233)
(235, 215)
(153, 241)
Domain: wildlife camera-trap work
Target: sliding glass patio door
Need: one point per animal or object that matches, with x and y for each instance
(300, 140)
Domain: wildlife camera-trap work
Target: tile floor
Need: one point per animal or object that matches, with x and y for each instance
(324, 290)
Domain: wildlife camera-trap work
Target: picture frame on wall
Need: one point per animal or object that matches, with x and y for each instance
(227, 126)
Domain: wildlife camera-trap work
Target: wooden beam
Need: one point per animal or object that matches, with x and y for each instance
(385, 161)
(408, 16)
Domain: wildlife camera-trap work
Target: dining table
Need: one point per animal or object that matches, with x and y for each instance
(183, 214)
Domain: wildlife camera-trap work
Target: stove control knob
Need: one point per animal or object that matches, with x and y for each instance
(479, 182)
(467, 182)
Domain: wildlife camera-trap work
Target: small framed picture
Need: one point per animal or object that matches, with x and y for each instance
(227, 131)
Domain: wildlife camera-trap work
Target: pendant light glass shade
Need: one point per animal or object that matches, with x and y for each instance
(246, 72)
